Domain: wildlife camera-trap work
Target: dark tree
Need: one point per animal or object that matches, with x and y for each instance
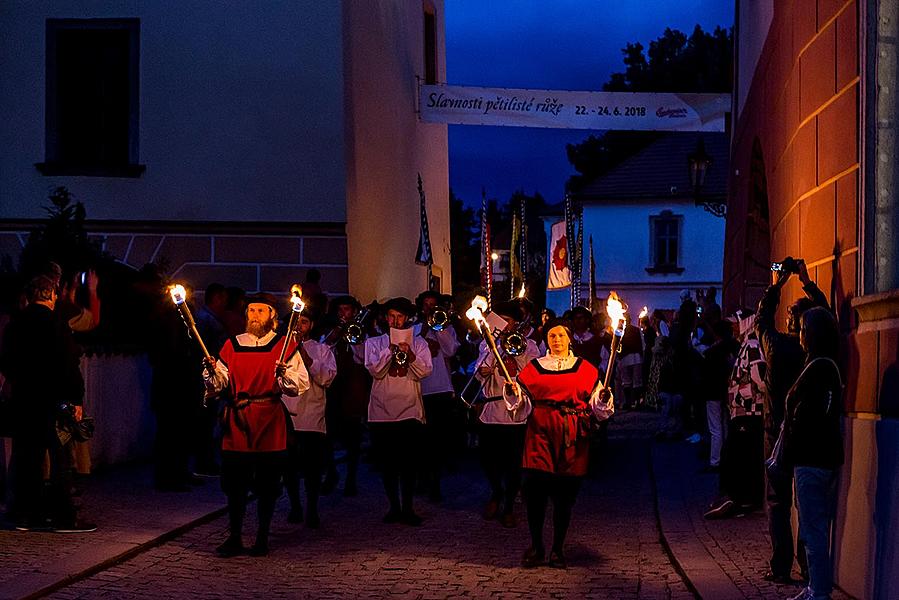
(700, 63)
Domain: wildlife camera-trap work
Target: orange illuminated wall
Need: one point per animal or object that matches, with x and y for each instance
(802, 118)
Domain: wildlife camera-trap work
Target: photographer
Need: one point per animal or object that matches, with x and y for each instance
(785, 358)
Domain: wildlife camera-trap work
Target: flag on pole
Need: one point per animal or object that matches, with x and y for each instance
(514, 256)
(559, 273)
(486, 259)
(592, 275)
(423, 255)
(524, 240)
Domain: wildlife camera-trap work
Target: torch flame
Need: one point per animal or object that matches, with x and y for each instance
(476, 311)
(644, 312)
(178, 293)
(521, 293)
(296, 293)
(615, 310)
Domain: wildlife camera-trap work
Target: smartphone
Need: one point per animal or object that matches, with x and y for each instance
(777, 266)
(82, 278)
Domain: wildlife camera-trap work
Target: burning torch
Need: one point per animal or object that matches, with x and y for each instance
(297, 306)
(476, 314)
(615, 309)
(179, 297)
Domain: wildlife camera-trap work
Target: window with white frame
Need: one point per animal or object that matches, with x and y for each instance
(665, 242)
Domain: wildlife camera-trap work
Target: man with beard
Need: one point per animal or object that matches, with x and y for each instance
(255, 427)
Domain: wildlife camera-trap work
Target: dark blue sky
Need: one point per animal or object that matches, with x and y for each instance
(544, 44)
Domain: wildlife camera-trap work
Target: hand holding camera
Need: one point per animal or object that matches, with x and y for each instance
(789, 266)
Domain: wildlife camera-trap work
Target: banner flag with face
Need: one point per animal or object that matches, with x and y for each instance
(559, 273)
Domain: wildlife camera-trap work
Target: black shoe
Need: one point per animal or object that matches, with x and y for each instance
(780, 579)
(329, 484)
(557, 559)
(313, 521)
(34, 526)
(533, 557)
(410, 518)
(508, 520)
(721, 509)
(231, 547)
(295, 515)
(260, 548)
(74, 527)
(491, 510)
(393, 516)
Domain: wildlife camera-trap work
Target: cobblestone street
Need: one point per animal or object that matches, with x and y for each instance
(614, 548)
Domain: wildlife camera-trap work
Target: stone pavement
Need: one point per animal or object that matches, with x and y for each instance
(130, 515)
(722, 558)
(153, 545)
(614, 547)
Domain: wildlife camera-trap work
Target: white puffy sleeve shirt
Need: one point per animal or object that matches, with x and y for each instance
(396, 398)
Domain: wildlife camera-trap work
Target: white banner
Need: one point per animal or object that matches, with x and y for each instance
(559, 273)
(572, 110)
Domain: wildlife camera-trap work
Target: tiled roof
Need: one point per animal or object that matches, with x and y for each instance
(661, 171)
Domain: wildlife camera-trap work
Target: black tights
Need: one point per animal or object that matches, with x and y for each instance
(541, 487)
(259, 472)
(397, 447)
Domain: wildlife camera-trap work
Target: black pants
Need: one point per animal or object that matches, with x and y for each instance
(779, 503)
(34, 501)
(539, 488)
(743, 461)
(437, 438)
(397, 447)
(501, 447)
(306, 459)
(174, 437)
(259, 472)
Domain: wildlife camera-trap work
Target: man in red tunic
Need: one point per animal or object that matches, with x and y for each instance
(255, 428)
(565, 394)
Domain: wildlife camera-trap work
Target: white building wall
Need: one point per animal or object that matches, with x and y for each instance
(753, 21)
(387, 146)
(241, 112)
(621, 246)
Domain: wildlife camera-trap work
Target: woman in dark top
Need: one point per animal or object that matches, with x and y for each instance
(813, 443)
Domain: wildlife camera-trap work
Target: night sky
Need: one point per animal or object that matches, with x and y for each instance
(558, 44)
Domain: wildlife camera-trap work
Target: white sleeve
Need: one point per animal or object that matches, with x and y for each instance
(485, 359)
(516, 403)
(377, 361)
(295, 380)
(218, 381)
(324, 365)
(601, 410)
(422, 366)
(449, 345)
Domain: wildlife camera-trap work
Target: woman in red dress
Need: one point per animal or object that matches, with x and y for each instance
(565, 393)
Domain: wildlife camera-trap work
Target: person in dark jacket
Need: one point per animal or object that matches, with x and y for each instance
(785, 358)
(813, 444)
(40, 361)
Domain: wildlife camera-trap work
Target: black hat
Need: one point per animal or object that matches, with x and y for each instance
(263, 298)
(509, 308)
(420, 299)
(399, 304)
(345, 299)
(581, 310)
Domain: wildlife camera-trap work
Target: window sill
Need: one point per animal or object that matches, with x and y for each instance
(877, 311)
(664, 270)
(130, 171)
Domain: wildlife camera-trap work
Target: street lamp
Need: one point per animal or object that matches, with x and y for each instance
(698, 163)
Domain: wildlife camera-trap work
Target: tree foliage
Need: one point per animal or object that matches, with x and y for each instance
(675, 62)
